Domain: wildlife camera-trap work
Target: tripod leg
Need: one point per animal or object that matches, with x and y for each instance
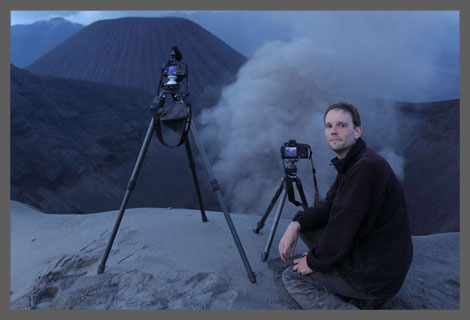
(301, 192)
(196, 184)
(130, 187)
(218, 192)
(260, 224)
(275, 223)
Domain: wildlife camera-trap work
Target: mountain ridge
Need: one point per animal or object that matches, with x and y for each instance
(30, 41)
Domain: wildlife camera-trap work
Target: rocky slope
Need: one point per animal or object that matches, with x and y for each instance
(74, 144)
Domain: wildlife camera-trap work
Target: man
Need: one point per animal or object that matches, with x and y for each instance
(359, 236)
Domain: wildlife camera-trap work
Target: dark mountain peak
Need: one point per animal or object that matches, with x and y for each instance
(131, 51)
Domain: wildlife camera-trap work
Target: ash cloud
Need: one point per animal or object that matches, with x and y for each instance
(368, 58)
(281, 94)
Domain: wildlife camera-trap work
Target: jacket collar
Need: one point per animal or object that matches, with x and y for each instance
(341, 164)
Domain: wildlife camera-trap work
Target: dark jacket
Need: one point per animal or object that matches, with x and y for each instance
(366, 234)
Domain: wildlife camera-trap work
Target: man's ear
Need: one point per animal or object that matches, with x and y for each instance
(357, 132)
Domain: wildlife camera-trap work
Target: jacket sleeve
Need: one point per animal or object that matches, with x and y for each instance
(316, 216)
(363, 182)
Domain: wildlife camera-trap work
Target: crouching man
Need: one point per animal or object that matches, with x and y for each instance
(359, 235)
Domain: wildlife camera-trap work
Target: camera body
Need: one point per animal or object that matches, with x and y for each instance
(294, 150)
(175, 69)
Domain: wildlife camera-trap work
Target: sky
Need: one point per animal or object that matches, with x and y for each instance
(82, 17)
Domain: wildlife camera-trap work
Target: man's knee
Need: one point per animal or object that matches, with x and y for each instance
(309, 293)
(292, 280)
(289, 274)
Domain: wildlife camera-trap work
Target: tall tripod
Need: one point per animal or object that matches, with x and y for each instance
(174, 114)
(286, 188)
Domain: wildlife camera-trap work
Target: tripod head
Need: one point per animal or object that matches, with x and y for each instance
(174, 115)
(291, 169)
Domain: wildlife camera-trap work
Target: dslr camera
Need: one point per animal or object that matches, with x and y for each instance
(175, 70)
(294, 150)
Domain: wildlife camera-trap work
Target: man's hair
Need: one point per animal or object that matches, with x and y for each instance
(347, 107)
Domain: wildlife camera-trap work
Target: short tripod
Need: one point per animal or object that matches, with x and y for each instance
(285, 189)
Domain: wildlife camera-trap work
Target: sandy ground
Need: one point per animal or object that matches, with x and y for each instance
(170, 259)
(161, 258)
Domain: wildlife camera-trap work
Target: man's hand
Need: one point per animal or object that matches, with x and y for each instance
(301, 266)
(289, 241)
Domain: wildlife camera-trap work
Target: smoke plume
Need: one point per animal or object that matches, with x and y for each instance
(281, 94)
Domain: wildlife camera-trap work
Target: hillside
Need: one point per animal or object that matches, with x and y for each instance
(74, 144)
(432, 153)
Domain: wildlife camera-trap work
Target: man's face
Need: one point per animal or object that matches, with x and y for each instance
(340, 132)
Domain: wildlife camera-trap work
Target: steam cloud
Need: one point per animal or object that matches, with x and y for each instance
(281, 94)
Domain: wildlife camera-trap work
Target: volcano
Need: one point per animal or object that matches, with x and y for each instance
(80, 116)
(131, 51)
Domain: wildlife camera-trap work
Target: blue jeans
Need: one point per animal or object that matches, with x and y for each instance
(325, 290)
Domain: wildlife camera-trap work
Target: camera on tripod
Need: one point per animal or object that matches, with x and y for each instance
(176, 116)
(294, 150)
(174, 70)
(291, 152)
